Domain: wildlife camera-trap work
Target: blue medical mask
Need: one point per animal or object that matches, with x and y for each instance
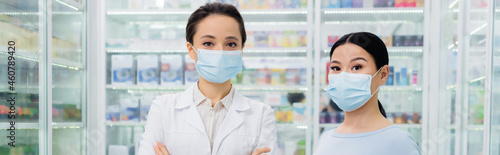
(350, 91)
(218, 66)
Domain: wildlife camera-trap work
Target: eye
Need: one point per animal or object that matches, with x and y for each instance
(357, 67)
(231, 45)
(208, 44)
(335, 68)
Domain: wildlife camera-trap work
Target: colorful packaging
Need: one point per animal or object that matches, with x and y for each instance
(398, 40)
(346, 3)
(410, 40)
(420, 41)
(292, 77)
(263, 77)
(190, 73)
(404, 77)
(250, 40)
(397, 78)
(171, 70)
(420, 3)
(299, 113)
(113, 113)
(147, 70)
(284, 114)
(275, 39)
(383, 3)
(332, 40)
(303, 76)
(357, 3)
(414, 77)
(121, 70)
(129, 109)
(273, 99)
(390, 78)
(289, 39)
(276, 76)
(411, 3)
(302, 40)
(387, 40)
(261, 39)
(400, 3)
(249, 77)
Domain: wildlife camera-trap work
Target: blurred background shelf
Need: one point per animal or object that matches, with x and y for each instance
(25, 55)
(372, 14)
(55, 125)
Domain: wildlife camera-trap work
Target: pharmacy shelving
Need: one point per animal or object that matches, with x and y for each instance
(124, 17)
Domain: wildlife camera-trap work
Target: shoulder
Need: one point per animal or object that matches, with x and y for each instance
(255, 105)
(166, 100)
(327, 134)
(403, 140)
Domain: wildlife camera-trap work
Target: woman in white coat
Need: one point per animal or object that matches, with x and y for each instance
(210, 117)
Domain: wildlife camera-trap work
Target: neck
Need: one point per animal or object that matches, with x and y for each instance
(214, 91)
(367, 118)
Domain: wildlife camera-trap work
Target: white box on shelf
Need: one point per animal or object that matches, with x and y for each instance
(121, 70)
(190, 73)
(147, 70)
(129, 109)
(171, 70)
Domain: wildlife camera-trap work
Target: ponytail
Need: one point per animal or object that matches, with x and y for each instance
(381, 108)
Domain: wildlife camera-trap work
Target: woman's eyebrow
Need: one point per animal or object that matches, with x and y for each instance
(232, 37)
(358, 58)
(335, 61)
(208, 36)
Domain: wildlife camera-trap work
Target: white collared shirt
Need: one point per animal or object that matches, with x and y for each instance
(212, 117)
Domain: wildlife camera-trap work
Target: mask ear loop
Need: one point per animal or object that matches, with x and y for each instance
(193, 48)
(377, 72)
(378, 86)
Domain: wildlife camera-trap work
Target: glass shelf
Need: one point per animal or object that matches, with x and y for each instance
(189, 11)
(55, 61)
(375, 14)
(37, 13)
(182, 88)
(183, 14)
(71, 4)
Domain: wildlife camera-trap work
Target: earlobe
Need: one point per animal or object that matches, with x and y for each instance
(190, 51)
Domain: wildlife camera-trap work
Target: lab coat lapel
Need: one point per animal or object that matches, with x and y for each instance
(193, 118)
(191, 114)
(232, 121)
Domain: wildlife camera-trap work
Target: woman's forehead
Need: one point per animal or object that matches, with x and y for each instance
(350, 50)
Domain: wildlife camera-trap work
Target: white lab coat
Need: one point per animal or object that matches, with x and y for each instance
(174, 121)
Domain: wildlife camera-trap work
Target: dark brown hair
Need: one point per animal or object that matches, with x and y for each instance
(215, 8)
(371, 44)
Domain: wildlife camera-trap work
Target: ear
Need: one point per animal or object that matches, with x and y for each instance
(383, 74)
(191, 51)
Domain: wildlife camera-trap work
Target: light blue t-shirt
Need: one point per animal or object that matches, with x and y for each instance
(390, 140)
